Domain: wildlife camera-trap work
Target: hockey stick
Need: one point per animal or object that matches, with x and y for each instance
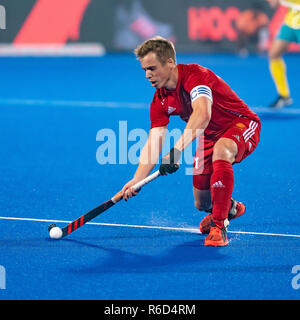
(57, 233)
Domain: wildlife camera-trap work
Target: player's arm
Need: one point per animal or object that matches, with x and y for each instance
(197, 123)
(150, 152)
(148, 159)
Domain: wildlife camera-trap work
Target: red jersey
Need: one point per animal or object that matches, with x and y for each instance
(194, 81)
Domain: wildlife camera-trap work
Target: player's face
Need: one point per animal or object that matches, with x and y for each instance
(157, 73)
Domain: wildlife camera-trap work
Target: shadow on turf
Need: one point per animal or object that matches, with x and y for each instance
(176, 259)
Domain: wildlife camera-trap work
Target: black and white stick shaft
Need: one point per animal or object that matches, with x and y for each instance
(101, 208)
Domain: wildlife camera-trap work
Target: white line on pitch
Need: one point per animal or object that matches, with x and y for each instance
(276, 111)
(116, 104)
(192, 230)
(73, 103)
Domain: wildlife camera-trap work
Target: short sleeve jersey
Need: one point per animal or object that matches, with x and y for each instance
(194, 81)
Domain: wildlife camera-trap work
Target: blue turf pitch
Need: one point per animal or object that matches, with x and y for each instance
(50, 113)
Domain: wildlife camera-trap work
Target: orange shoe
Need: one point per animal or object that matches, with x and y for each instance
(217, 237)
(237, 209)
(204, 225)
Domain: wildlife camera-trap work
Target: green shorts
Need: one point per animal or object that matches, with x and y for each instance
(288, 34)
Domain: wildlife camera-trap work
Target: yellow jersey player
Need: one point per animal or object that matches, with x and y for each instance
(289, 32)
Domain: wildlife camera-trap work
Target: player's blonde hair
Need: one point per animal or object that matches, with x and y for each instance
(163, 48)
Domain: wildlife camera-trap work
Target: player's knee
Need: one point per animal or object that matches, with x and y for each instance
(223, 152)
(276, 50)
(274, 55)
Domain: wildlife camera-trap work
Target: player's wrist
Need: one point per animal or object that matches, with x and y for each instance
(175, 154)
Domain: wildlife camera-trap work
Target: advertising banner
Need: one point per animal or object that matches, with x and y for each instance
(120, 25)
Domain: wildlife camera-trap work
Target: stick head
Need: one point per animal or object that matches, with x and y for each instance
(52, 225)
